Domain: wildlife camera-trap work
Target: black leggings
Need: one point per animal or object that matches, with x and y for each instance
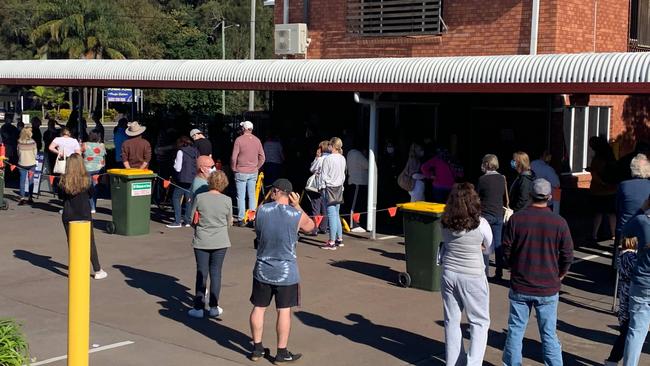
(619, 345)
(94, 259)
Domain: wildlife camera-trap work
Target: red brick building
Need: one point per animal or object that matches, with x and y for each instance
(443, 28)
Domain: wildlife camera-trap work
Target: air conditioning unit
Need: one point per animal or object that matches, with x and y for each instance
(291, 39)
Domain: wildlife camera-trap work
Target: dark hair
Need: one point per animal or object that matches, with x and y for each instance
(93, 136)
(183, 141)
(463, 209)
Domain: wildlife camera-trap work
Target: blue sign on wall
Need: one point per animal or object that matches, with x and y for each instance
(119, 95)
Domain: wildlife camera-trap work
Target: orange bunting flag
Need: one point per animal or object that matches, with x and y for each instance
(166, 183)
(96, 178)
(12, 167)
(392, 211)
(30, 174)
(356, 217)
(51, 178)
(318, 220)
(251, 215)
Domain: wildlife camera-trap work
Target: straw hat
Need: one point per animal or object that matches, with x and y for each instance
(135, 129)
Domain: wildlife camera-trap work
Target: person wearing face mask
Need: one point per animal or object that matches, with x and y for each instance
(492, 193)
(204, 167)
(522, 186)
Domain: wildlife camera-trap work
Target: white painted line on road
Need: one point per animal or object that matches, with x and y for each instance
(388, 237)
(590, 257)
(98, 349)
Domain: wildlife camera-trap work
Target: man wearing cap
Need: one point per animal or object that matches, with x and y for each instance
(136, 151)
(276, 271)
(247, 158)
(201, 143)
(538, 247)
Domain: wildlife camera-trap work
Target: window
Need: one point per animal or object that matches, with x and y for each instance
(640, 23)
(580, 124)
(394, 17)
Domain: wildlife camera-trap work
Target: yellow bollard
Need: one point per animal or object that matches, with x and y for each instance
(79, 293)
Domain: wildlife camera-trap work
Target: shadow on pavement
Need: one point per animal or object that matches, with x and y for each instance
(177, 300)
(404, 345)
(391, 255)
(369, 269)
(42, 261)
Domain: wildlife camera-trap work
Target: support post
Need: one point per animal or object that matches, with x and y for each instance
(223, 57)
(372, 171)
(102, 117)
(251, 94)
(79, 293)
(534, 27)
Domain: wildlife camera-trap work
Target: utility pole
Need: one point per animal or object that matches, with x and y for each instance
(251, 94)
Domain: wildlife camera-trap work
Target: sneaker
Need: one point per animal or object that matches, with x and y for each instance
(101, 274)
(195, 313)
(215, 312)
(339, 243)
(174, 226)
(61, 212)
(93, 211)
(259, 354)
(358, 229)
(329, 246)
(287, 358)
(187, 225)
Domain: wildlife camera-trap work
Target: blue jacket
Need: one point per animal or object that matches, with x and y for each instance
(639, 226)
(630, 197)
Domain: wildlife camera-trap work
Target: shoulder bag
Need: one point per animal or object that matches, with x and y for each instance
(59, 166)
(507, 211)
(334, 195)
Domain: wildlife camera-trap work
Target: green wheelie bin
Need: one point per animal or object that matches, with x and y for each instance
(131, 201)
(423, 238)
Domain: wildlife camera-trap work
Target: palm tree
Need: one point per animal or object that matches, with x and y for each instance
(83, 29)
(46, 95)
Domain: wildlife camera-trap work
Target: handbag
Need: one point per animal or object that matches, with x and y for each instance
(334, 195)
(405, 181)
(311, 185)
(59, 166)
(507, 211)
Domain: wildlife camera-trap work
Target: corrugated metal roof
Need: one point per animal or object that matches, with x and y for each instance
(558, 73)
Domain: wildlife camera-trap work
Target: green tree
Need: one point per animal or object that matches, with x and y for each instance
(45, 95)
(83, 29)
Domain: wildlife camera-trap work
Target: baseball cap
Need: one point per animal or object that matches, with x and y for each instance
(283, 185)
(247, 125)
(194, 132)
(541, 188)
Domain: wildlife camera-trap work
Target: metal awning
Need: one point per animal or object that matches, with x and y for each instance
(594, 73)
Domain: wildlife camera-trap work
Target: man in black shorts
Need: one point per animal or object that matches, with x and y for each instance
(276, 270)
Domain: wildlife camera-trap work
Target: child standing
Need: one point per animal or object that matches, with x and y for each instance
(625, 263)
(75, 191)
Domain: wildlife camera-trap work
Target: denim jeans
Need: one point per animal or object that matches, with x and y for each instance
(179, 193)
(26, 184)
(546, 310)
(496, 224)
(245, 183)
(472, 293)
(639, 322)
(209, 262)
(334, 221)
(93, 199)
(318, 208)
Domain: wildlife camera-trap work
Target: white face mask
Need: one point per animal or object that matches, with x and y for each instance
(212, 170)
(390, 149)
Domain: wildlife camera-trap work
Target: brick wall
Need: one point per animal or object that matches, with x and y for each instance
(475, 27)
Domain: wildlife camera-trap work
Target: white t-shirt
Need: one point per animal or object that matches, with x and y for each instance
(67, 144)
